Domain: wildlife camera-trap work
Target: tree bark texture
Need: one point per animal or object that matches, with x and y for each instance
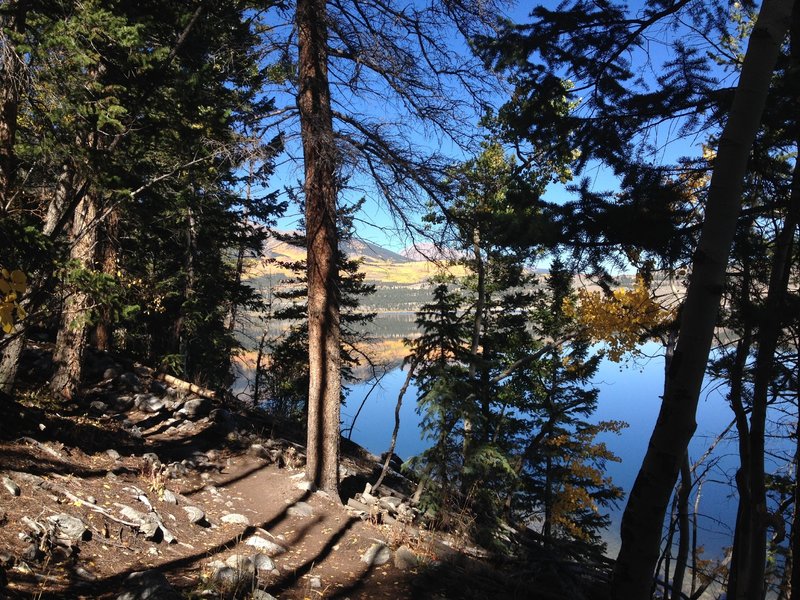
(74, 328)
(319, 155)
(108, 256)
(644, 514)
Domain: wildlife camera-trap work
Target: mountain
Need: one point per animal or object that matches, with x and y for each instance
(382, 266)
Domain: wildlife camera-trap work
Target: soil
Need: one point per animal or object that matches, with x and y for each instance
(63, 458)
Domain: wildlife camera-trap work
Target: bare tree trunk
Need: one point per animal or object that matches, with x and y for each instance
(73, 330)
(319, 156)
(108, 258)
(683, 529)
(12, 68)
(751, 584)
(644, 514)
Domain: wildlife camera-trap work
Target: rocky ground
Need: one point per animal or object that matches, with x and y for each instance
(143, 488)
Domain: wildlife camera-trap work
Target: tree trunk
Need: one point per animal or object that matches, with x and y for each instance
(55, 213)
(751, 584)
(108, 258)
(644, 514)
(319, 156)
(683, 530)
(11, 75)
(73, 330)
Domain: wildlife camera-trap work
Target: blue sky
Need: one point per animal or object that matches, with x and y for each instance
(377, 224)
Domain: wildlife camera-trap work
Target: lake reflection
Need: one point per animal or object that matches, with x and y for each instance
(629, 392)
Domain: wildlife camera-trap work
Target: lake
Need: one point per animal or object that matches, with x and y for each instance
(629, 392)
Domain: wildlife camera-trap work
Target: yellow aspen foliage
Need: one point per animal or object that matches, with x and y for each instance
(12, 285)
(620, 319)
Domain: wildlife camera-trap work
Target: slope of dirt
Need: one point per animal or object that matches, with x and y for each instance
(171, 485)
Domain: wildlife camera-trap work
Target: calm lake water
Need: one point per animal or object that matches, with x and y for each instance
(629, 392)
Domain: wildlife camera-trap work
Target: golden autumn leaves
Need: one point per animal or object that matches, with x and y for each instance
(12, 285)
(619, 319)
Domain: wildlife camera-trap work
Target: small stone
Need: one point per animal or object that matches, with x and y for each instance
(267, 547)
(148, 403)
(70, 529)
(243, 564)
(110, 373)
(315, 583)
(130, 381)
(404, 558)
(91, 499)
(378, 554)
(300, 509)
(195, 515)
(147, 585)
(169, 497)
(151, 460)
(84, 574)
(235, 519)
(158, 388)
(259, 451)
(11, 487)
(98, 407)
(195, 408)
(261, 595)
(390, 503)
(263, 562)
(113, 454)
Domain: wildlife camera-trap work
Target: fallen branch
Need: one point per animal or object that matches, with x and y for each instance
(186, 386)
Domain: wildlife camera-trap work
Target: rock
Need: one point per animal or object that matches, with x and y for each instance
(231, 579)
(261, 595)
(147, 585)
(404, 558)
(11, 487)
(68, 528)
(243, 564)
(262, 562)
(300, 509)
(390, 503)
(267, 547)
(121, 403)
(353, 503)
(130, 514)
(378, 554)
(113, 454)
(158, 388)
(98, 407)
(259, 451)
(177, 470)
(84, 574)
(235, 519)
(314, 583)
(111, 373)
(169, 497)
(152, 461)
(130, 381)
(148, 403)
(195, 515)
(195, 408)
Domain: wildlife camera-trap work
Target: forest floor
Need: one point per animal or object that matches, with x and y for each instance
(137, 490)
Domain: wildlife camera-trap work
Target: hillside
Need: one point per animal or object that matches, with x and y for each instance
(141, 488)
(382, 267)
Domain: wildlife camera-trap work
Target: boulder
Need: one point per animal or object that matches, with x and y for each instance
(378, 554)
